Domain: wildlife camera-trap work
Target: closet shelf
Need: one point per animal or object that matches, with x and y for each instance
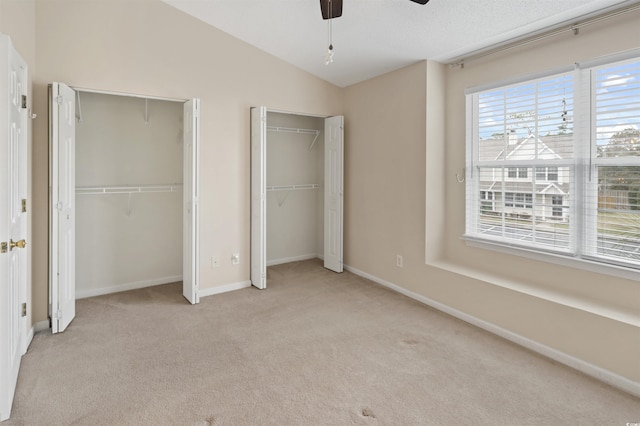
(293, 187)
(127, 189)
(313, 132)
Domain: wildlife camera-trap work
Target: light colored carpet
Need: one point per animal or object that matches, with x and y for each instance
(315, 348)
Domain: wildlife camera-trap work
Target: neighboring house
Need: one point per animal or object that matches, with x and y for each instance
(524, 192)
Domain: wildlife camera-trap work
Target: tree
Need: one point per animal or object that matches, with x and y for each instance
(622, 178)
(623, 143)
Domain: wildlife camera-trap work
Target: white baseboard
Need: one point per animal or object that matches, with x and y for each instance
(27, 340)
(36, 328)
(223, 288)
(81, 294)
(594, 371)
(291, 259)
(41, 325)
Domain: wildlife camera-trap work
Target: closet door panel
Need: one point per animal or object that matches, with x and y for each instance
(258, 197)
(62, 251)
(191, 252)
(333, 187)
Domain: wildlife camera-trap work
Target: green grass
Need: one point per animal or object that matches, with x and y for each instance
(619, 223)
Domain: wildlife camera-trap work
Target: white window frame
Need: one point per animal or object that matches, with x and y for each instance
(583, 164)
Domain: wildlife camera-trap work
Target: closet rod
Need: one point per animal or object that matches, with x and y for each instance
(314, 132)
(293, 187)
(293, 130)
(127, 189)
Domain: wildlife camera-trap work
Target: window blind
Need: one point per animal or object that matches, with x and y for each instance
(523, 140)
(552, 173)
(612, 204)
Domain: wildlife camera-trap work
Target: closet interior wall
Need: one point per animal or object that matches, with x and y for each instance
(295, 216)
(128, 193)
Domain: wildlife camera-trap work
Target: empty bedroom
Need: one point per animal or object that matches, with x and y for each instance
(319, 212)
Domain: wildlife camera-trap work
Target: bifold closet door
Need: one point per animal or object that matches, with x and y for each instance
(333, 192)
(62, 260)
(191, 194)
(259, 197)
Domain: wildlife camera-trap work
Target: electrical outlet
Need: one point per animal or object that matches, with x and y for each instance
(215, 261)
(399, 261)
(235, 258)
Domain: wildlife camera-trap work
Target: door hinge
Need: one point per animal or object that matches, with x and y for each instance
(59, 99)
(24, 205)
(57, 314)
(24, 309)
(59, 206)
(4, 246)
(24, 101)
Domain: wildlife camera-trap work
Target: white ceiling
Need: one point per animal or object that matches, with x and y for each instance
(377, 36)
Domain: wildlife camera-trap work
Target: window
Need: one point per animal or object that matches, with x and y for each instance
(556, 201)
(547, 174)
(518, 172)
(518, 199)
(561, 155)
(522, 172)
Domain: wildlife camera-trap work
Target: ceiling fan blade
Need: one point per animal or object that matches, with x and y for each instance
(331, 8)
(420, 1)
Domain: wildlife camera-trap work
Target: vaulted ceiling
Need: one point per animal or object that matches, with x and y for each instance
(377, 36)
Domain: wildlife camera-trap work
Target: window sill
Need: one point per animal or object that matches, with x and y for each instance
(571, 262)
(626, 316)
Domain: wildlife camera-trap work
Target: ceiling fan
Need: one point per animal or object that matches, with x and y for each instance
(333, 8)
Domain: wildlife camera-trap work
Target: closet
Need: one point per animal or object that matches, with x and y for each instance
(128, 193)
(296, 190)
(124, 192)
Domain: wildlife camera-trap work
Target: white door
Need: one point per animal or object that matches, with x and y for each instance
(258, 197)
(333, 192)
(62, 167)
(13, 220)
(191, 190)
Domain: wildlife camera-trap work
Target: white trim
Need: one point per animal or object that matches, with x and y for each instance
(27, 341)
(594, 371)
(223, 288)
(280, 111)
(280, 261)
(41, 326)
(37, 328)
(129, 95)
(81, 294)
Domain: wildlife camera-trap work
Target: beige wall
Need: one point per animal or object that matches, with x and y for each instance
(589, 316)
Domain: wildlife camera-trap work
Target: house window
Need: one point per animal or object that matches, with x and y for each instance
(522, 173)
(549, 174)
(518, 172)
(518, 199)
(556, 210)
(486, 201)
(522, 142)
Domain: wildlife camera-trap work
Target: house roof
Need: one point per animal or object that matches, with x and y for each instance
(554, 147)
(525, 187)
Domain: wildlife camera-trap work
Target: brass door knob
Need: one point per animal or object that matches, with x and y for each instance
(19, 244)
